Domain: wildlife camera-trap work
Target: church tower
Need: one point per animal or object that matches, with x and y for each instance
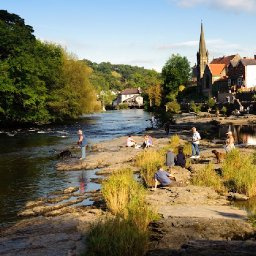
(202, 58)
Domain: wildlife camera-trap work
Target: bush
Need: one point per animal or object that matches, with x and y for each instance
(209, 178)
(175, 142)
(194, 107)
(173, 107)
(239, 172)
(149, 161)
(223, 110)
(119, 190)
(122, 106)
(116, 237)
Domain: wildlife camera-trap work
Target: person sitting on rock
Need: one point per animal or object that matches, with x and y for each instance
(130, 142)
(148, 142)
(162, 178)
(180, 159)
(170, 158)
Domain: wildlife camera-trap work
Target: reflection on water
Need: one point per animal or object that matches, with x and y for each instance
(244, 134)
(249, 205)
(28, 157)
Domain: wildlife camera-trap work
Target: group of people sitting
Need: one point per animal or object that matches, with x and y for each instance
(148, 142)
(178, 160)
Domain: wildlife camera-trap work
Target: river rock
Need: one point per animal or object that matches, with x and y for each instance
(238, 197)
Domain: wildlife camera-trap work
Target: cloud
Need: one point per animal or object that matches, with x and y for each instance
(234, 5)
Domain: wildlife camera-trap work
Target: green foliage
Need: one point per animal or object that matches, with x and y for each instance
(149, 162)
(119, 190)
(123, 106)
(195, 107)
(254, 97)
(211, 103)
(209, 178)
(223, 110)
(173, 107)
(176, 72)
(39, 82)
(175, 142)
(239, 172)
(116, 237)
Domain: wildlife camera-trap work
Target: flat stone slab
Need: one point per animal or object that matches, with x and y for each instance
(203, 211)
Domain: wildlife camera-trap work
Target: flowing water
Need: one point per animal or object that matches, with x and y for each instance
(28, 156)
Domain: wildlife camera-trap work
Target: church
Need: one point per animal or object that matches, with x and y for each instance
(223, 75)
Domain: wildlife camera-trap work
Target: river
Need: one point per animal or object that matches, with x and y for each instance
(28, 156)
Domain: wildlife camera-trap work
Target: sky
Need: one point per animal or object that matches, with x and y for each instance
(142, 33)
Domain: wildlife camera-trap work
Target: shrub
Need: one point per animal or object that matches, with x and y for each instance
(223, 110)
(125, 197)
(173, 107)
(194, 107)
(119, 189)
(122, 106)
(187, 149)
(209, 178)
(211, 103)
(149, 161)
(239, 172)
(175, 142)
(116, 237)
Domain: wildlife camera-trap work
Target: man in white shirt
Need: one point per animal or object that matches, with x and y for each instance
(195, 143)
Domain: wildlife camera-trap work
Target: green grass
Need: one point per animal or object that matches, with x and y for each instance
(239, 172)
(116, 237)
(127, 232)
(209, 178)
(149, 161)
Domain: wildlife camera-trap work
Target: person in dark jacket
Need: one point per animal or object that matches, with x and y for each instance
(180, 159)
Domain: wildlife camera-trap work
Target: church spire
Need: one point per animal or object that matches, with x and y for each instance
(202, 57)
(202, 45)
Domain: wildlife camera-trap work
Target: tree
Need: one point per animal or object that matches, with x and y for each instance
(176, 72)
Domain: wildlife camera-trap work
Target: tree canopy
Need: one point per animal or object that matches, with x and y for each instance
(39, 82)
(176, 72)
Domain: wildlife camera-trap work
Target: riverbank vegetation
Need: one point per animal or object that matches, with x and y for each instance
(41, 82)
(124, 233)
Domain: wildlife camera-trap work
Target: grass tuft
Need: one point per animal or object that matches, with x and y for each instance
(116, 237)
(239, 172)
(209, 178)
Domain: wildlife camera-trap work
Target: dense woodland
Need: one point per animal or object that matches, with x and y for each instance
(41, 82)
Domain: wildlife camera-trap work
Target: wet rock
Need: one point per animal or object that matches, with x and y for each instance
(238, 197)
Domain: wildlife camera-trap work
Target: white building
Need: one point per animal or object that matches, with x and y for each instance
(131, 96)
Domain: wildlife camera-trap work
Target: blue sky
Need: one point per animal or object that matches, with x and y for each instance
(141, 32)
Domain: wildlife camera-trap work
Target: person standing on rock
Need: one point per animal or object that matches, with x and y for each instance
(230, 142)
(195, 143)
(82, 143)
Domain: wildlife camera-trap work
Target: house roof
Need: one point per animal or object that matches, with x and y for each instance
(130, 91)
(223, 60)
(247, 62)
(216, 69)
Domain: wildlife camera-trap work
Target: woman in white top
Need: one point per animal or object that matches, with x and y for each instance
(130, 142)
(230, 142)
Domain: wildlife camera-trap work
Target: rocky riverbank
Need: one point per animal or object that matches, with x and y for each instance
(192, 217)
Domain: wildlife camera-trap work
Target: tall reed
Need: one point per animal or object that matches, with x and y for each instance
(116, 237)
(149, 162)
(239, 172)
(119, 190)
(126, 233)
(209, 178)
